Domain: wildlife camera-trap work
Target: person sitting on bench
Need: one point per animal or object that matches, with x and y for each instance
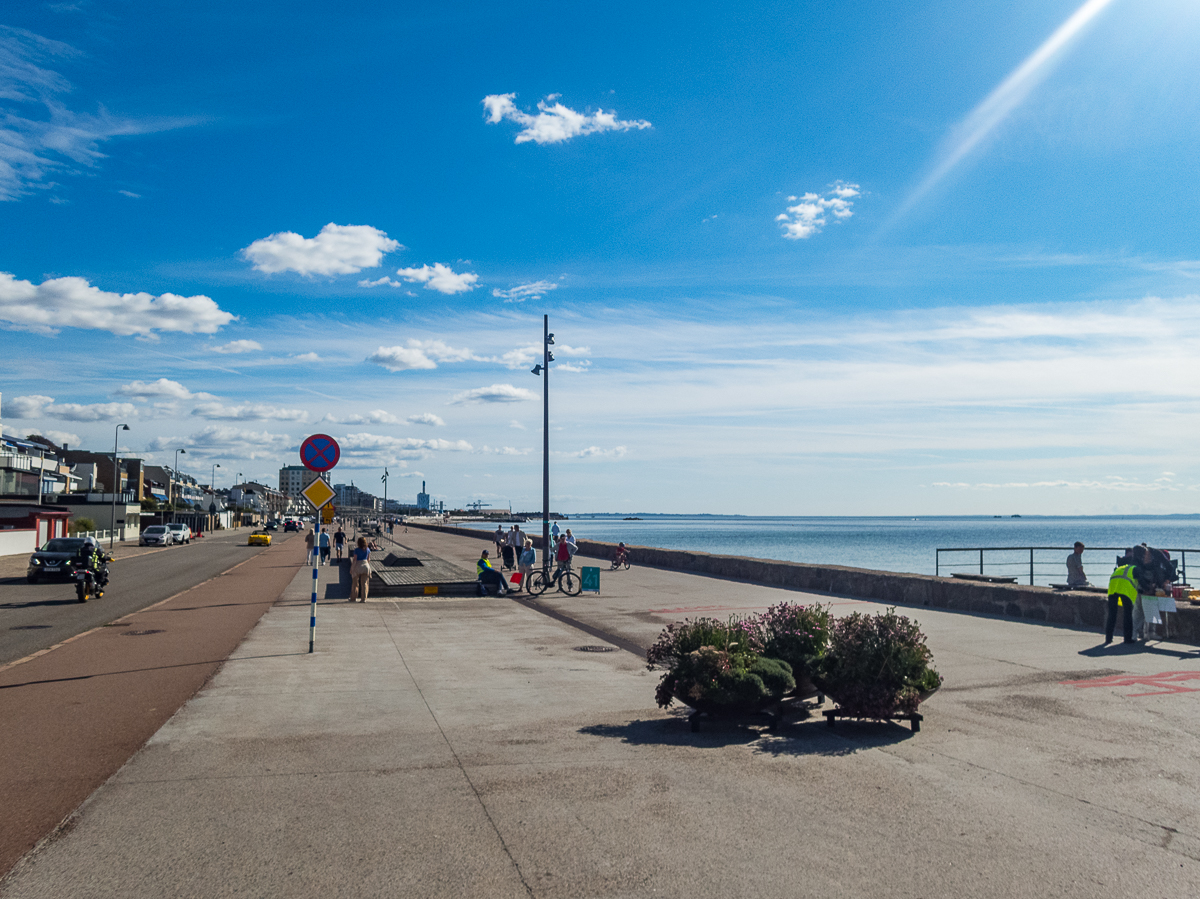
(489, 576)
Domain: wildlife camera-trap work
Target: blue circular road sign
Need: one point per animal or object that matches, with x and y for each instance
(320, 452)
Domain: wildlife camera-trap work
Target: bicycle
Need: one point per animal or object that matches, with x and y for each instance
(565, 579)
(619, 562)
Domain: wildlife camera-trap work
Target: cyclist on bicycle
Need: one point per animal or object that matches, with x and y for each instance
(621, 556)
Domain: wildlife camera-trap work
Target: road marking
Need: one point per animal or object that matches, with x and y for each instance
(1168, 681)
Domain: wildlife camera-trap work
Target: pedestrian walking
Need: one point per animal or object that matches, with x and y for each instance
(323, 545)
(339, 542)
(360, 571)
(498, 538)
(554, 532)
(309, 541)
(527, 561)
(512, 547)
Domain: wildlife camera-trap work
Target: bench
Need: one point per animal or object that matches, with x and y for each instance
(986, 578)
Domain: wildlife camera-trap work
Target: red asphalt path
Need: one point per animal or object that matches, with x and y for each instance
(74, 714)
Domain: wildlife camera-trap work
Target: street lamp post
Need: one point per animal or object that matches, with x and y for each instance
(212, 485)
(116, 485)
(241, 498)
(174, 478)
(384, 479)
(544, 371)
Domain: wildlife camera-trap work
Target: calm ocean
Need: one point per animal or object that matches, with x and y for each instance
(902, 544)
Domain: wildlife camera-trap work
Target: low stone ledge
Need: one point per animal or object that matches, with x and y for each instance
(1080, 610)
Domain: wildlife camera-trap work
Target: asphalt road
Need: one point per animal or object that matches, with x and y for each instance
(37, 616)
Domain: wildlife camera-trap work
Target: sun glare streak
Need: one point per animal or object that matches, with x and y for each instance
(1001, 102)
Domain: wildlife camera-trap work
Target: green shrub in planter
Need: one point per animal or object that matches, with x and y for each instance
(715, 666)
(878, 665)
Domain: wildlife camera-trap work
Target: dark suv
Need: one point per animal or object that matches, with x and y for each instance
(291, 525)
(53, 559)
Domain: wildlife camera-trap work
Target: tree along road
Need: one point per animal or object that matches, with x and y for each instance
(37, 616)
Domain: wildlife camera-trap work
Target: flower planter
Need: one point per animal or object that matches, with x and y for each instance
(849, 711)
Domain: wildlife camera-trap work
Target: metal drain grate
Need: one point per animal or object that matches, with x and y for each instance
(595, 649)
(142, 633)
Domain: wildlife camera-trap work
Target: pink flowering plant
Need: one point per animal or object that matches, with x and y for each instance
(797, 634)
(878, 665)
(717, 666)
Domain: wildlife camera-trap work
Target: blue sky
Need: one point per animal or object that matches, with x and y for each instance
(799, 258)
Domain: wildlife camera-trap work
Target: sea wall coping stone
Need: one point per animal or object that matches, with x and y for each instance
(1075, 609)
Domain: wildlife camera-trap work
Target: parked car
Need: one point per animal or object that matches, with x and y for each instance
(183, 533)
(53, 559)
(156, 535)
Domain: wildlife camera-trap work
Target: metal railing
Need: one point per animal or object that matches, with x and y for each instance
(1033, 565)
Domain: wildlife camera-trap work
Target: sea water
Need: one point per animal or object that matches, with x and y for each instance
(903, 544)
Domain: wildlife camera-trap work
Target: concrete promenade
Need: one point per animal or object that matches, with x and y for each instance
(467, 747)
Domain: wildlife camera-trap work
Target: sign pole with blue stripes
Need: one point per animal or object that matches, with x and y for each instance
(319, 453)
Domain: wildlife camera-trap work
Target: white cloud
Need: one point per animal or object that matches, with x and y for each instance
(306, 357)
(521, 357)
(221, 440)
(440, 351)
(497, 393)
(337, 250)
(377, 416)
(248, 412)
(574, 366)
(238, 346)
(37, 406)
(398, 358)
(73, 303)
(554, 123)
(375, 449)
(503, 451)
(564, 350)
(523, 292)
(62, 438)
(516, 425)
(419, 354)
(163, 387)
(130, 194)
(595, 452)
(808, 216)
(58, 140)
(426, 418)
(437, 277)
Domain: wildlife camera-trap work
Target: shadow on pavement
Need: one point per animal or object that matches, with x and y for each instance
(794, 737)
(60, 680)
(71, 601)
(340, 590)
(1140, 649)
(675, 731)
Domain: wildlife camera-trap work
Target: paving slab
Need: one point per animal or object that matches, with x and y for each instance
(468, 748)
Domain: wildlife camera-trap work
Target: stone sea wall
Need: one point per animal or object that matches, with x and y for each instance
(1085, 611)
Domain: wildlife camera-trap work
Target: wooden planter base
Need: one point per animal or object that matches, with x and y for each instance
(913, 718)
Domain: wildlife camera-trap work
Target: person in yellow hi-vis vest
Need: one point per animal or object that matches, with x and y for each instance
(1123, 591)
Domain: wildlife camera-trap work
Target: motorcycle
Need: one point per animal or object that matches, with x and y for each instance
(90, 584)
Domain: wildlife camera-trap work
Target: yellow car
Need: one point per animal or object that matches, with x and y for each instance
(259, 538)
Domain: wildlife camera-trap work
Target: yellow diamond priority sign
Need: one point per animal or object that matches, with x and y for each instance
(318, 493)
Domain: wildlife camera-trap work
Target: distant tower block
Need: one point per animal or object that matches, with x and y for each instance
(423, 499)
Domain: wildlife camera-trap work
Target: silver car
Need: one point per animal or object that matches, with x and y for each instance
(156, 535)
